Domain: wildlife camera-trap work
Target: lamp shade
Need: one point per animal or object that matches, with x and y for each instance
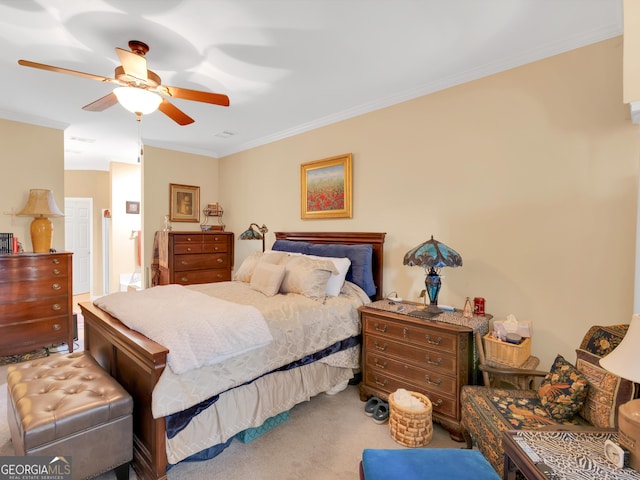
(138, 100)
(40, 204)
(624, 360)
(432, 254)
(253, 234)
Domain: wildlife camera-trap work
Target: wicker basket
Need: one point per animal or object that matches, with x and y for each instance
(411, 428)
(507, 353)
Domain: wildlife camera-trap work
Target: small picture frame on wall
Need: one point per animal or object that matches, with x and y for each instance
(325, 188)
(133, 207)
(184, 203)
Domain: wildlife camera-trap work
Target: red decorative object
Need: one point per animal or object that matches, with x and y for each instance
(478, 306)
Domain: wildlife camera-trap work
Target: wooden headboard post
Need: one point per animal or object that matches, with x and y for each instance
(375, 239)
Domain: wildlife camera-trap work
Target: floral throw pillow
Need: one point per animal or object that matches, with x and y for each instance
(563, 391)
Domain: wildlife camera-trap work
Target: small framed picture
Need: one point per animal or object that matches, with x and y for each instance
(184, 203)
(325, 188)
(133, 207)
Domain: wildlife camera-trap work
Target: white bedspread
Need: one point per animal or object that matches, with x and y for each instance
(198, 329)
(299, 326)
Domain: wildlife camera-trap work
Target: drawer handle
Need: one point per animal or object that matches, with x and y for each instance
(437, 403)
(56, 326)
(189, 239)
(219, 260)
(184, 279)
(56, 306)
(431, 362)
(56, 271)
(377, 327)
(381, 384)
(56, 261)
(428, 379)
(437, 342)
(379, 365)
(216, 248)
(380, 347)
(188, 249)
(184, 262)
(219, 275)
(56, 286)
(215, 239)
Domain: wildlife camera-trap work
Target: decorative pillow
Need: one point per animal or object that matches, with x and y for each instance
(563, 391)
(336, 280)
(267, 278)
(307, 276)
(606, 391)
(361, 257)
(243, 274)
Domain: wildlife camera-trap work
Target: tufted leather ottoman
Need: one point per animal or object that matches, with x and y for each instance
(67, 405)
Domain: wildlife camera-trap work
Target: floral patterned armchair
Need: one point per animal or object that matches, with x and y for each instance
(580, 394)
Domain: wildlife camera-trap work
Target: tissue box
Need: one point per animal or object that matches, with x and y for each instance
(524, 328)
(270, 423)
(507, 353)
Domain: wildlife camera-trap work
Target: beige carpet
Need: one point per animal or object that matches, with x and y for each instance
(323, 439)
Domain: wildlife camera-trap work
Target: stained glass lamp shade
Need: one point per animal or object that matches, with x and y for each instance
(433, 255)
(253, 234)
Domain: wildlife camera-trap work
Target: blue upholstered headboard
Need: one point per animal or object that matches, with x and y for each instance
(368, 247)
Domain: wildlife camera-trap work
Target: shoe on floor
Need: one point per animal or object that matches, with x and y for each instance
(371, 406)
(381, 415)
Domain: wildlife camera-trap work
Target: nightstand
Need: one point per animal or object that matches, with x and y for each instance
(434, 357)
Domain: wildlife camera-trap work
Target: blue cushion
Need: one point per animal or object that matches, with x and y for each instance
(361, 256)
(425, 464)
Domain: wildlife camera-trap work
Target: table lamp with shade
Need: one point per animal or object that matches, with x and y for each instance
(433, 255)
(41, 205)
(624, 361)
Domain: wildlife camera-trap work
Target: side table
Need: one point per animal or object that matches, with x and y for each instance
(575, 452)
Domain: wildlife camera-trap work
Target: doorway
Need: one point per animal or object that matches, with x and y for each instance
(78, 219)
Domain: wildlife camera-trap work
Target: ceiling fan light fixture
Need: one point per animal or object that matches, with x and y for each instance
(138, 100)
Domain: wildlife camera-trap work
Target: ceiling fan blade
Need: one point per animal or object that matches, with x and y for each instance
(195, 95)
(134, 65)
(174, 113)
(102, 103)
(42, 66)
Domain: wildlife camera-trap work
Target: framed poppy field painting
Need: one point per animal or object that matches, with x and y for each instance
(326, 188)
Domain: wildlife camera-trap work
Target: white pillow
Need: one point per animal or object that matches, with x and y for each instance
(267, 278)
(336, 280)
(307, 276)
(243, 274)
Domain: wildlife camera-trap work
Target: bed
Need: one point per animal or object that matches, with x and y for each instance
(139, 364)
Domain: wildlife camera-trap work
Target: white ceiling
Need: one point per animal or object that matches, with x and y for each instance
(288, 66)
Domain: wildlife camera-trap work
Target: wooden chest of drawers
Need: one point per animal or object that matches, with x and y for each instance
(425, 356)
(194, 257)
(35, 301)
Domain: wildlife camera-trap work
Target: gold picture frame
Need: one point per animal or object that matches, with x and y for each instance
(326, 188)
(184, 203)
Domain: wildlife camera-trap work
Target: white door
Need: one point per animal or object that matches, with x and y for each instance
(77, 223)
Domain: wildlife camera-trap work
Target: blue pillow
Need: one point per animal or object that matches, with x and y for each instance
(361, 256)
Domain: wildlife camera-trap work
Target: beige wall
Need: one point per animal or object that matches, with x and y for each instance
(531, 175)
(95, 185)
(31, 157)
(161, 167)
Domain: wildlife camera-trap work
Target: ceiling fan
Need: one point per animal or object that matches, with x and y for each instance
(134, 80)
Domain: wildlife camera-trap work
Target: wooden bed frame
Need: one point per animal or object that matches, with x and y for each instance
(137, 362)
